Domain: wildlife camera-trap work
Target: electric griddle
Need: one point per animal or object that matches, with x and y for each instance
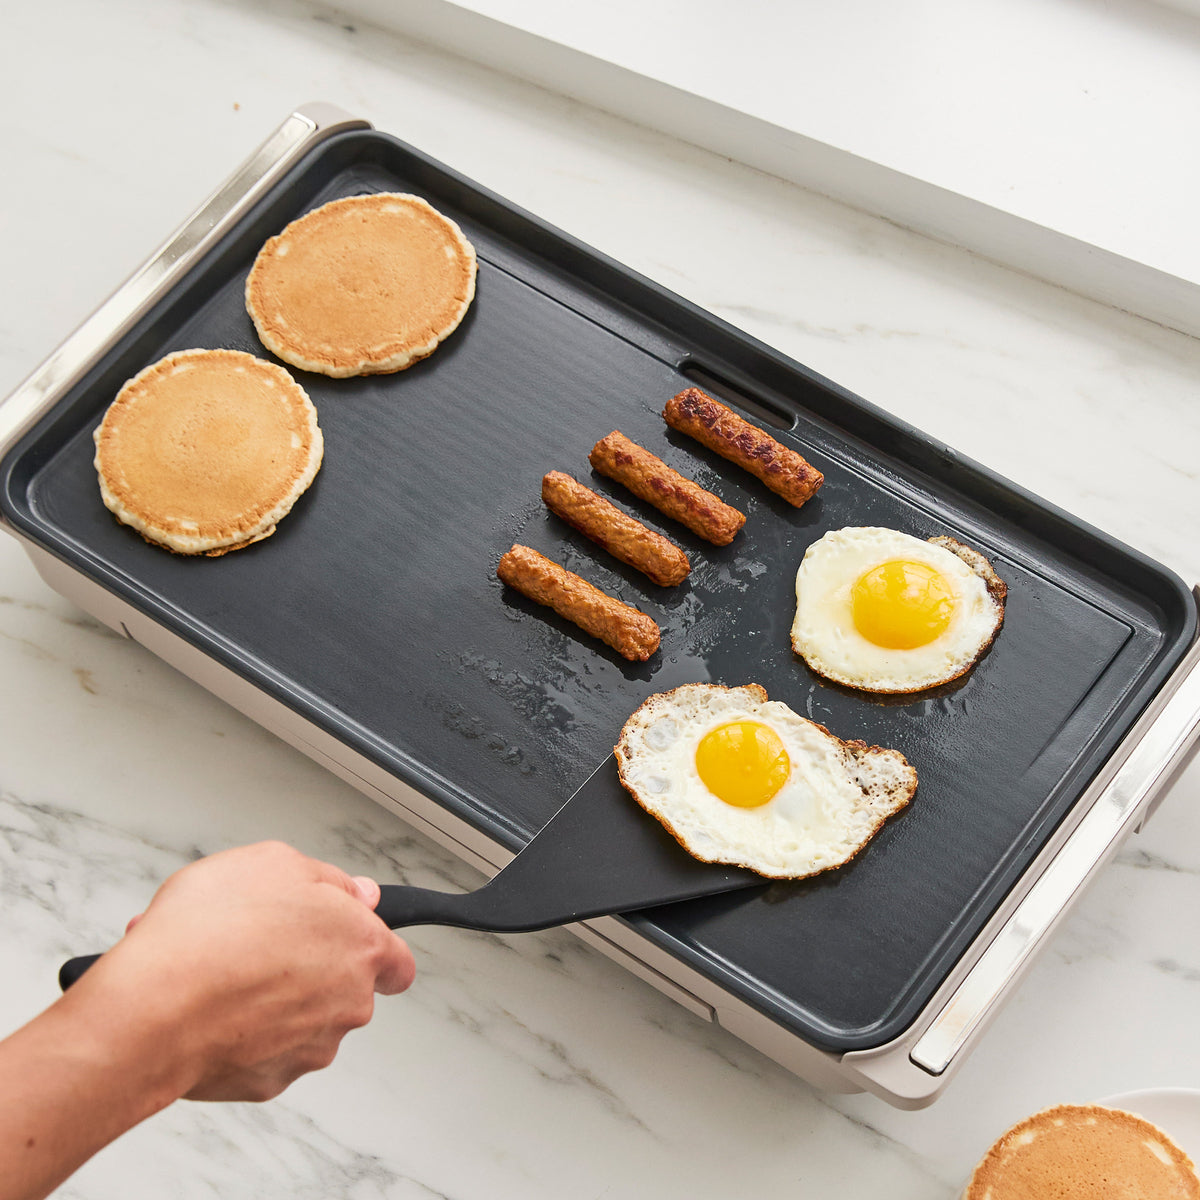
(371, 632)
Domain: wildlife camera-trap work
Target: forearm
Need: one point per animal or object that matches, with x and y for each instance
(79, 1075)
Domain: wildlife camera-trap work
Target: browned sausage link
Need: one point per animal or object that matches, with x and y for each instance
(632, 634)
(619, 534)
(722, 430)
(650, 479)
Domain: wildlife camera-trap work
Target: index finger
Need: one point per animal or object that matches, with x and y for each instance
(397, 970)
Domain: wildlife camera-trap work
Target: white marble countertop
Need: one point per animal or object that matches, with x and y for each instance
(530, 1066)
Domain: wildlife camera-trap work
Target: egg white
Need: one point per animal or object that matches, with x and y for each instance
(824, 633)
(836, 797)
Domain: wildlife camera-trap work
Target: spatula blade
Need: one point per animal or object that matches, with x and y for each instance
(599, 854)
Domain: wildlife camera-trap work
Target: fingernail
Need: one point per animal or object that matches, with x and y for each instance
(367, 888)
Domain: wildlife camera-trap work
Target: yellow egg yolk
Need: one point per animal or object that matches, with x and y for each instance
(743, 763)
(902, 604)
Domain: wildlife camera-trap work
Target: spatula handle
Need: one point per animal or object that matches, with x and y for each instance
(71, 970)
(495, 907)
(398, 907)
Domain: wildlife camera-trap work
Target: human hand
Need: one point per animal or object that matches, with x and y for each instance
(258, 961)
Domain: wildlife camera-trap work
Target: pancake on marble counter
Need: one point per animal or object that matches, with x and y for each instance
(1084, 1152)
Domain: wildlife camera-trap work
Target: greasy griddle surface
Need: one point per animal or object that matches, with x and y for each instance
(375, 611)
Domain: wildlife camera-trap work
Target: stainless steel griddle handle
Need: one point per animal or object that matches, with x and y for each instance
(305, 128)
(1169, 734)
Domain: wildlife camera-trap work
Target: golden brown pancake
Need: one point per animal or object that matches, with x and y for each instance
(205, 450)
(361, 286)
(1084, 1152)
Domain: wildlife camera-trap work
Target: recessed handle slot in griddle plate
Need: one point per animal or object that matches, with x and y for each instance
(740, 398)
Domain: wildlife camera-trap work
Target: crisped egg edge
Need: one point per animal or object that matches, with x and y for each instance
(998, 591)
(855, 747)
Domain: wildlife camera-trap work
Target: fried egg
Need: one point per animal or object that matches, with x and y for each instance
(883, 611)
(739, 779)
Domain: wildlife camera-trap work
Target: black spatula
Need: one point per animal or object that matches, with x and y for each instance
(599, 854)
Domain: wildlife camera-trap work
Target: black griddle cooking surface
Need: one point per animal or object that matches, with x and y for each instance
(374, 611)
